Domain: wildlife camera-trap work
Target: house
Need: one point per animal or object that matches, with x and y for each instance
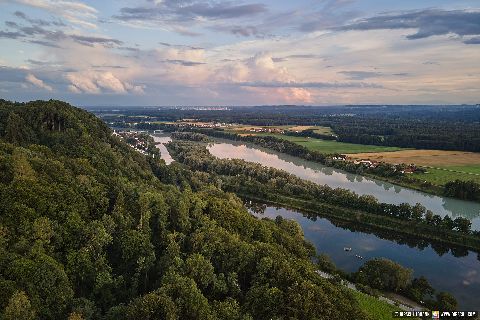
(409, 170)
(340, 157)
(365, 162)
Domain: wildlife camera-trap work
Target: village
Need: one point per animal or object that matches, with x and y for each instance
(372, 164)
(138, 140)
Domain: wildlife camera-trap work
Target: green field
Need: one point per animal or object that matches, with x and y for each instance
(440, 177)
(471, 168)
(322, 130)
(376, 309)
(331, 146)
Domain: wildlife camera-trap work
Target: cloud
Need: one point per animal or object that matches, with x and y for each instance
(180, 46)
(316, 85)
(93, 82)
(10, 35)
(185, 63)
(360, 75)
(44, 43)
(39, 32)
(190, 10)
(474, 40)
(39, 22)
(296, 56)
(262, 77)
(73, 11)
(11, 74)
(179, 15)
(331, 14)
(238, 30)
(429, 22)
(91, 40)
(37, 82)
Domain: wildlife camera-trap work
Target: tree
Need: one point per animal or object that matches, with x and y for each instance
(325, 263)
(420, 289)
(384, 274)
(462, 224)
(152, 306)
(446, 302)
(75, 316)
(200, 269)
(19, 307)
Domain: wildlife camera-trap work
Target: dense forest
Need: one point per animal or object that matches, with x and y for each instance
(91, 229)
(422, 127)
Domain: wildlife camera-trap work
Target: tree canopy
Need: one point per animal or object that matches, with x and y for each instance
(91, 229)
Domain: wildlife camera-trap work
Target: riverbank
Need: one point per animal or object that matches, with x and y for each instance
(363, 218)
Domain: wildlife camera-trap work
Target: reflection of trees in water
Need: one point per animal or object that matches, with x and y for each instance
(386, 186)
(469, 210)
(402, 239)
(359, 178)
(255, 207)
(327, 170)
(397, 189)
(350, 177)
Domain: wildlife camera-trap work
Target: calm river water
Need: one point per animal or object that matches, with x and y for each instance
(162, 139)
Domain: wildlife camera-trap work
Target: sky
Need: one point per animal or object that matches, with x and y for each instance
(251, 52)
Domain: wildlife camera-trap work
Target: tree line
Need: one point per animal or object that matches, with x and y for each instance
(421, 127)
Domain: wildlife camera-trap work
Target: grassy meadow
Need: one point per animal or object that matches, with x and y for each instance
(375, 308)
(331, 146)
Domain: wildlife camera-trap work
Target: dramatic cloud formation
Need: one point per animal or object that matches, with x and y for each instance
(240, 52)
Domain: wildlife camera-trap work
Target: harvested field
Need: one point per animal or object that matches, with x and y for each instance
(429, 158)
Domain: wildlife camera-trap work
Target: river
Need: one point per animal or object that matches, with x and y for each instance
(161, 139)
(457, 275)
(383, 191)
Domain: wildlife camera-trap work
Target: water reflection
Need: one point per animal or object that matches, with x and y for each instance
(450, 270)
(383, 191)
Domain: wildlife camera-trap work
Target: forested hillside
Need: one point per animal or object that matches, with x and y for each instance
(90, 229)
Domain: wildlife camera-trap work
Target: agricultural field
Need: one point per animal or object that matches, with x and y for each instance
(442, 166)
(316, 129)
(331, 146)
(440, 176)
(375, 308)
(428, 158)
